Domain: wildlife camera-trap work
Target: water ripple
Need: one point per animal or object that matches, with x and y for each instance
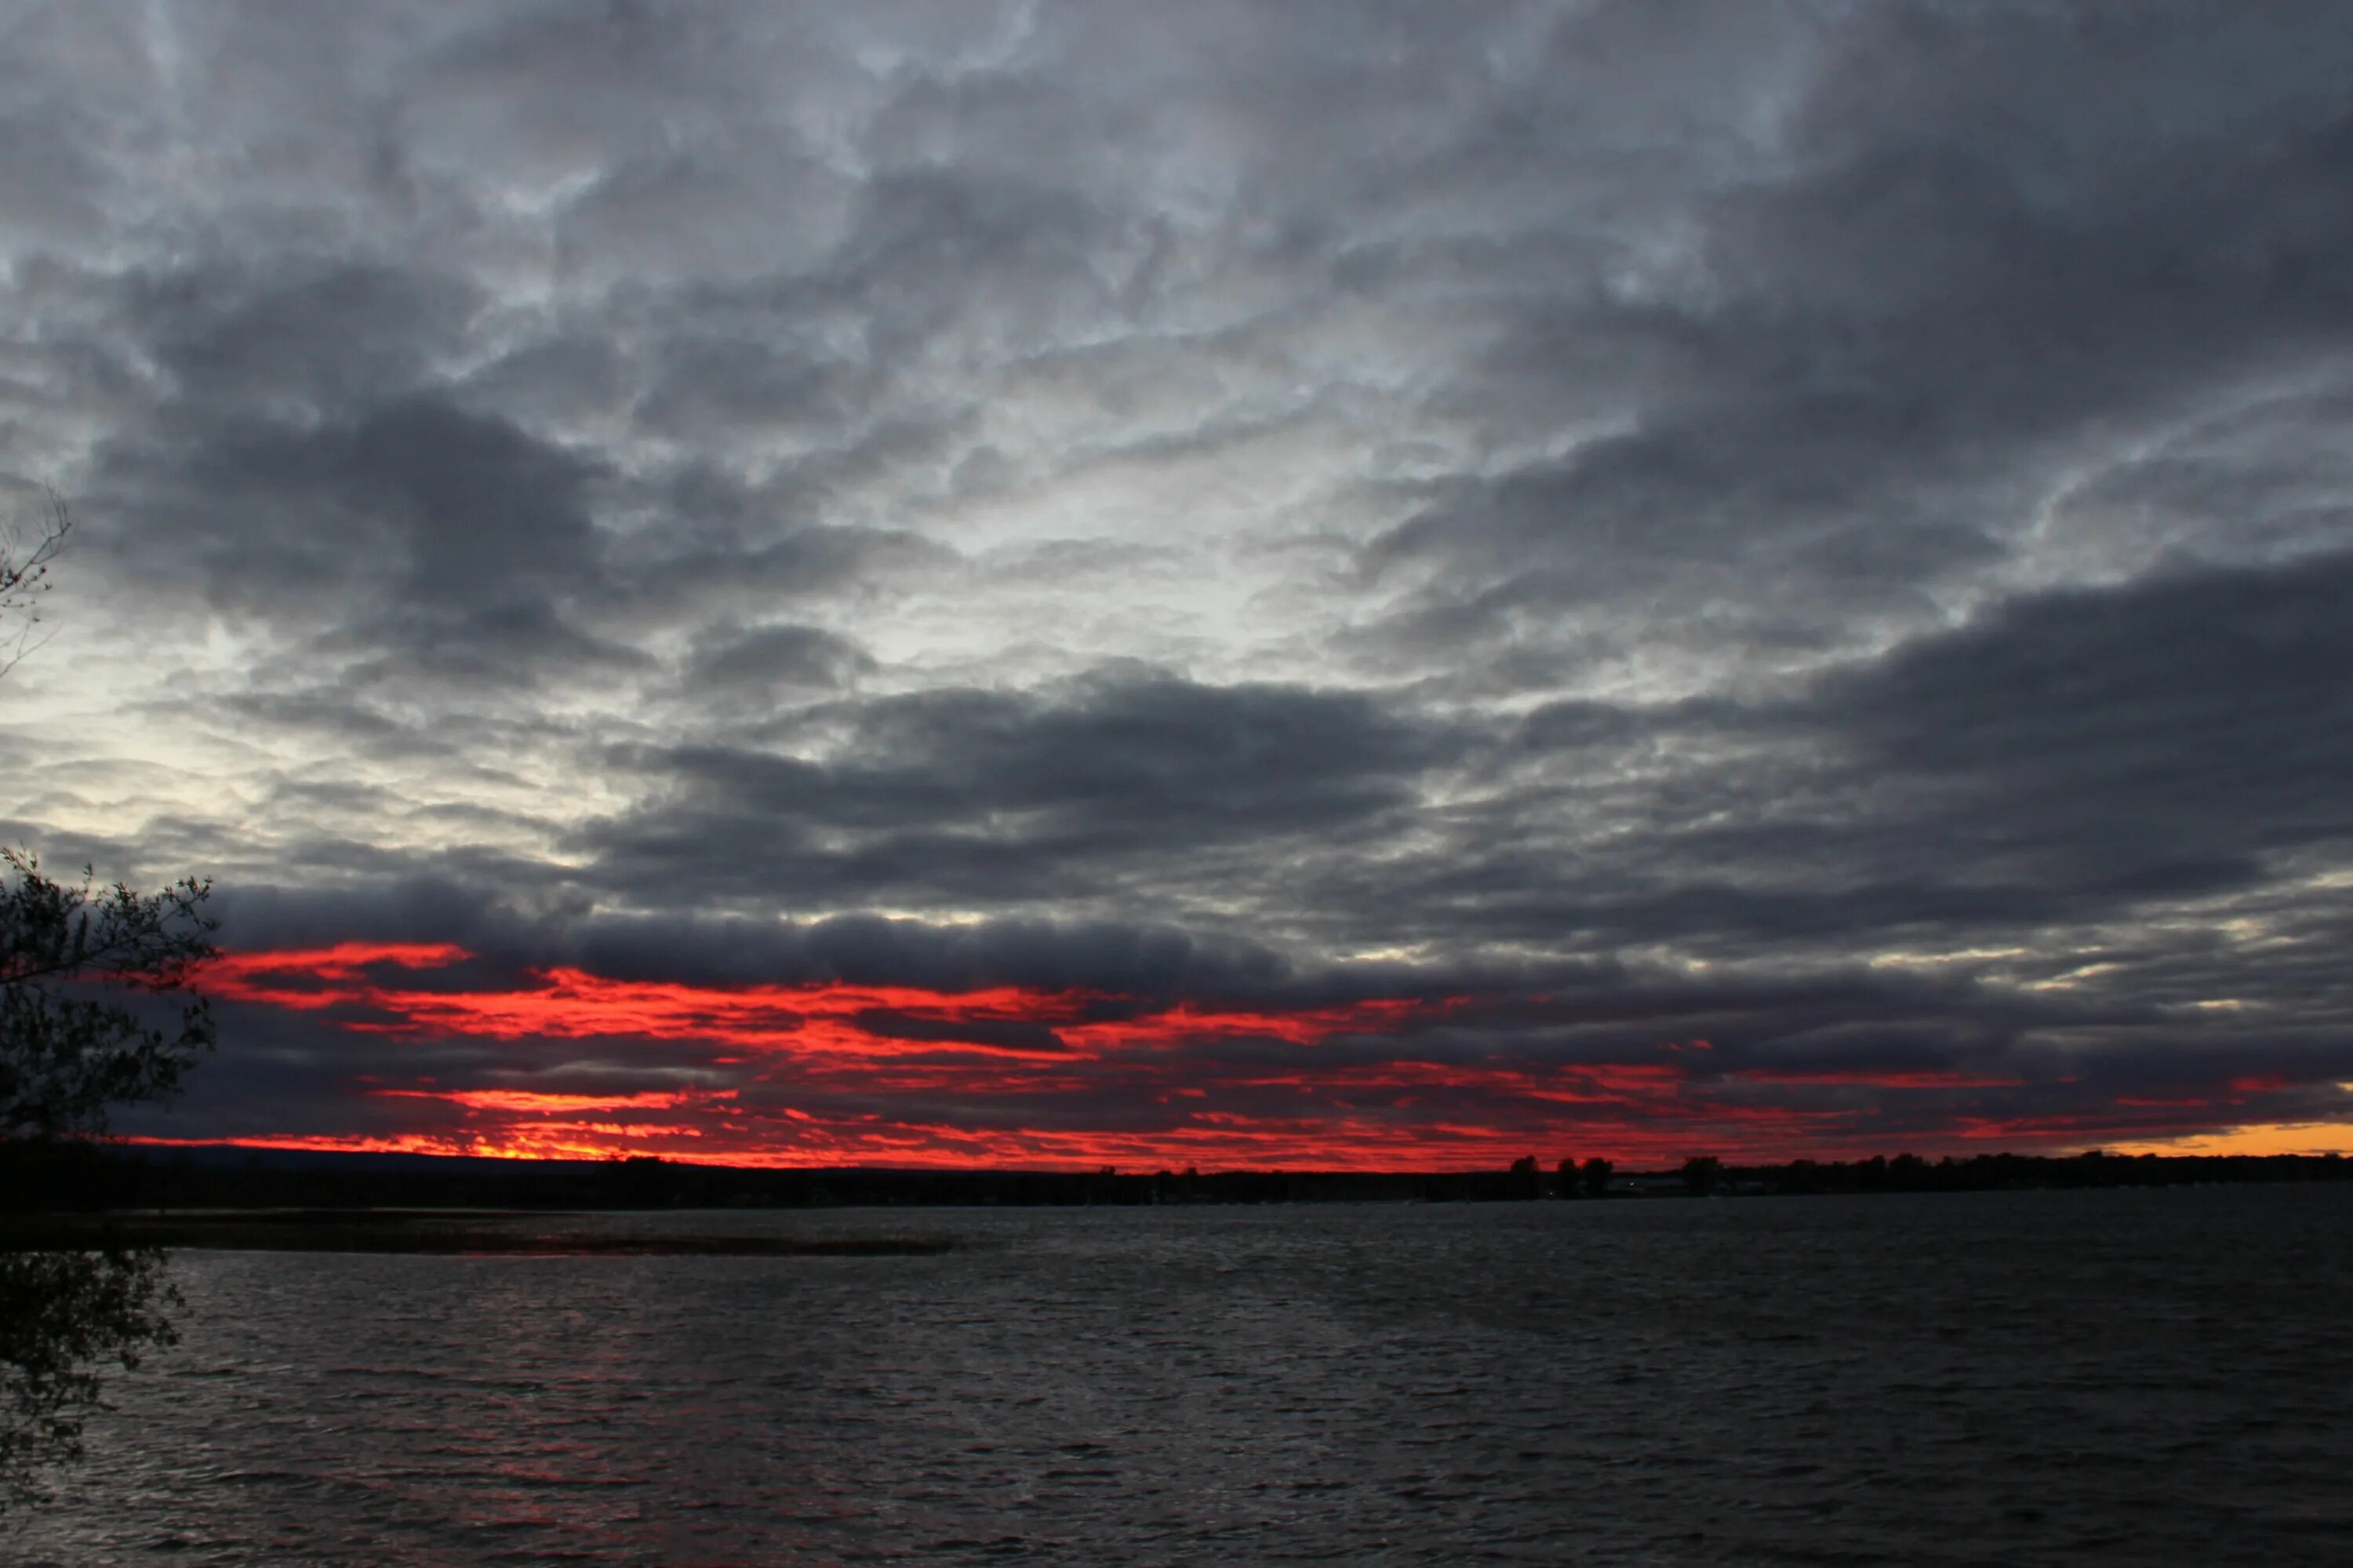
(2024, 1378)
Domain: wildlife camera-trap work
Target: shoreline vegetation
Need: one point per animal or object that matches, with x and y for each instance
(90, 1194)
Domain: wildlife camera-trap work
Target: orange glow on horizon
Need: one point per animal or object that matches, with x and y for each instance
(2259, 1138)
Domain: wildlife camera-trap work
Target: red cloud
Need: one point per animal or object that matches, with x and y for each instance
(816, 1020)
(830, 1074)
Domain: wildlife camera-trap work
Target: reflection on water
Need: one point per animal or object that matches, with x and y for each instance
(2124, 1377)
(65, 1316)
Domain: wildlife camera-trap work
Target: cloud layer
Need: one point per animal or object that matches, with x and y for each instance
(1612, 577)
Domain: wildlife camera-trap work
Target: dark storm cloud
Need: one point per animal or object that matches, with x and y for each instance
(517, 929)
(312, 473)
(766, 658)
(488, 526)
(306, 469)
(1570, 1010)
(2076, 756)
(2179, 729)
(963, 794)
(1981, 255)
(299, 337)
(720, 546)
(313, 462)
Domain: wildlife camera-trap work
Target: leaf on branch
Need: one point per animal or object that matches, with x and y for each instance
(74, 960)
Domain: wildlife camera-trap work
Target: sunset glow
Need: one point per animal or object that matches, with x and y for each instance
(565, 1063)
(1412, 586)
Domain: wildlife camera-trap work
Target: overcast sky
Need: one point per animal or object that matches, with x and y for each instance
(1272, 583)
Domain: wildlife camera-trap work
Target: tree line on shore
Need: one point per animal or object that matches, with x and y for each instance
(91, 1178)
(1709, 1176)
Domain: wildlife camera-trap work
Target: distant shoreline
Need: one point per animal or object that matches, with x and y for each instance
(432, 1233)
(284, 1198)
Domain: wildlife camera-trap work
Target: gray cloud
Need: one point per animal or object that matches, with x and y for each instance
(1830, 519)
(1968, 267)
(767, 659)
(955, 795)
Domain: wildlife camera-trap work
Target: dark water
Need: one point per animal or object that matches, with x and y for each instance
(2137, 1377)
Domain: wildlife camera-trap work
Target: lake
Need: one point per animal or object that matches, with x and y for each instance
(2128, 1376)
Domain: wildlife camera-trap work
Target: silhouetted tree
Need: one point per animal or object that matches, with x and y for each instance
(73, 957)
(1526, 1181)
(1565, 1177)
(83, 969)
(1596, 1177)
(24, 557)
(73, 954)
(1701, 1174)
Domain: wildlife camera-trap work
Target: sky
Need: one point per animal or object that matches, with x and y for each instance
(1282, 584)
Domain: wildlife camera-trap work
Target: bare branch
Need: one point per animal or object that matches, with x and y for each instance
(25, 553)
